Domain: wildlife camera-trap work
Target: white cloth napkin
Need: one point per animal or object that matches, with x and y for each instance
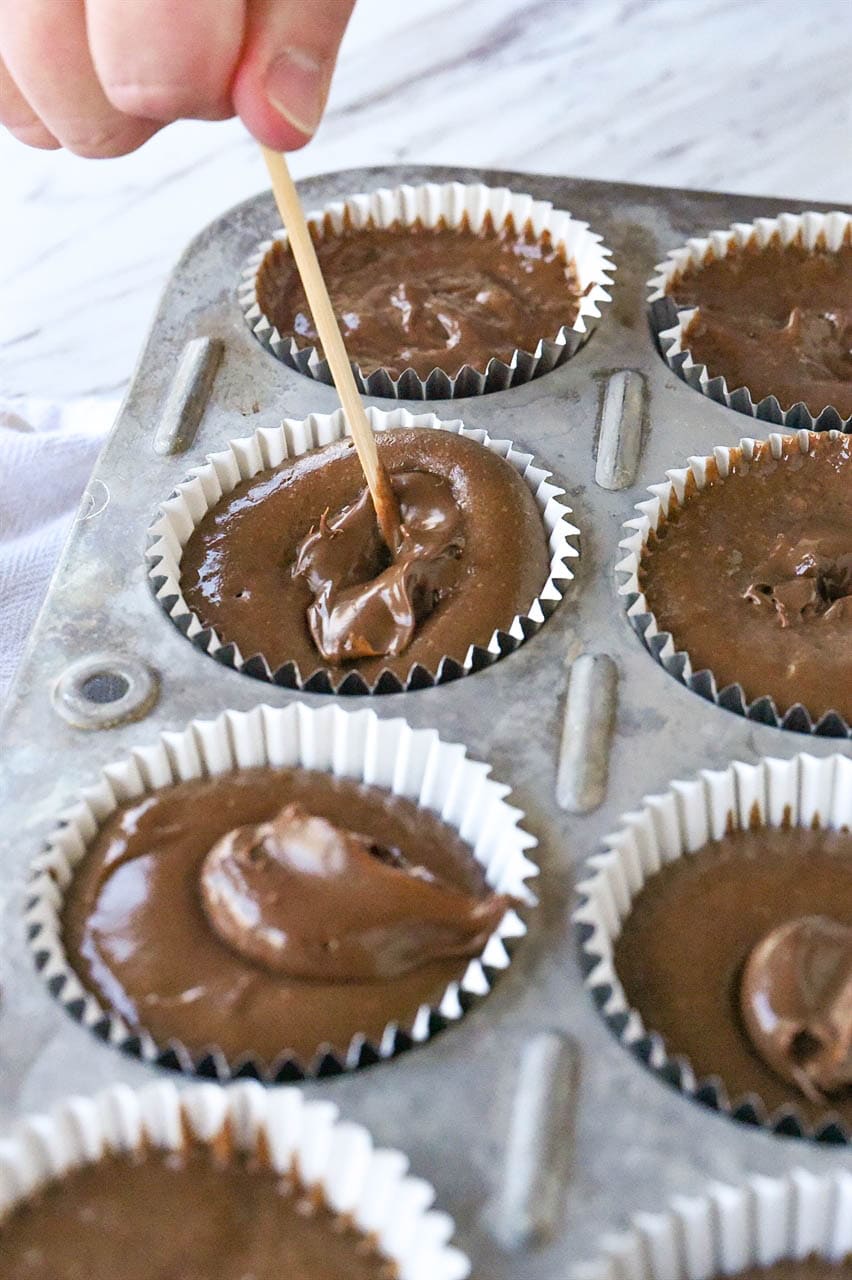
(47, 452)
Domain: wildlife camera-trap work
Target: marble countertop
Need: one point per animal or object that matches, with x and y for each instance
(730, 95)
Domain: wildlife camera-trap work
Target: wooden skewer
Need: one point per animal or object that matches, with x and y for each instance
(293, 217)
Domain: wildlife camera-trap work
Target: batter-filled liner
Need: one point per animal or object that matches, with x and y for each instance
(802, 792)
(267, 449)
(477, 208)
(658, 517)
(413, 765)
(673, 322)
(243, 1132)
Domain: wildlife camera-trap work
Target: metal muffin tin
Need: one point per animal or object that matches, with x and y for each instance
(539, 1131)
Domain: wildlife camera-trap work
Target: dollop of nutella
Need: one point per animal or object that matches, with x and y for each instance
(807, 575)
(305, 898)
(796, 1002)
(367, 602)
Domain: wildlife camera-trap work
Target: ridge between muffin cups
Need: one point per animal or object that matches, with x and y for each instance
(670, 323)
(454, 205)
(805, 791)
(366, 1185)
(269, 447)
(681, 483)
(728, 1229)
(388, 754)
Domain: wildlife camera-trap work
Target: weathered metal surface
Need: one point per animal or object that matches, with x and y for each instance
(449, 1103)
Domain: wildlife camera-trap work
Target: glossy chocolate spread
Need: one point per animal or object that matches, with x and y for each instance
(158, 917)
(692, 928)
(486, 557)
(807, 574)
(197, 1215)
(367, 602)
(307, 899)
(752, 576)
(415, 297)
(777, 321)
(796, 1001)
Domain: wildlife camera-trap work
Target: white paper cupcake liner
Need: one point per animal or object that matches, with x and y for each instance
(414, 763)
(804, 791)
(733, 1228)
(452, 203)
(247, 457)
(366, 1185)
(670, 323)
(652, 513)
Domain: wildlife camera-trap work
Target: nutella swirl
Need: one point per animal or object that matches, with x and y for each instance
(424, 298)
(308, 899)
(366, 603)
(807, 575)
(476, 557)
(796, 1002)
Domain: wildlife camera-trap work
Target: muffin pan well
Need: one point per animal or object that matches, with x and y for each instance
(670, 836)
(364, 1193)
(253, 457)
(809, 231)
(452, 206)
(657, 519)
(414, 765)
(474, 1108)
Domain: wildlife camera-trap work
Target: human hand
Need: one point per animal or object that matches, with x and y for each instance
(100, 77)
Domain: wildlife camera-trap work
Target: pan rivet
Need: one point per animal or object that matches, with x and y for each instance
(104, 690)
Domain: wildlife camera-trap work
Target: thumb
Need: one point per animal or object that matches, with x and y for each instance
(284, 74)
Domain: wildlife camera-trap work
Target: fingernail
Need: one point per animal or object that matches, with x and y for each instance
(297, 87)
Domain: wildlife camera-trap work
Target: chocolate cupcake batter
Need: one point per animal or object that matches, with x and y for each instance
(274, 911)
(421, 298)
(796, 1001)
(814, 1267)
(684, 946)
(777, 321)
(753, 576)
(269, 571)
(188, 1214)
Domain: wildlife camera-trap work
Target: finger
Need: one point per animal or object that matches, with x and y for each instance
(163, 61)
(18, 117)
(282, 82)
(45, 48)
